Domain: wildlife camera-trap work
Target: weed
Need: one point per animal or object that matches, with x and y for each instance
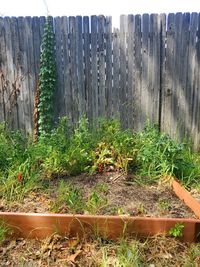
(3, 231)
(128, 255)
(141, 208)
(177, 230)
(159, 155)
(95, 202)
(69, 196)
(164, 204)
(102, 188)
(192, 258)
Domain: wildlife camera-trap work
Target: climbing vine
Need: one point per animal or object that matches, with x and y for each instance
(47, 79)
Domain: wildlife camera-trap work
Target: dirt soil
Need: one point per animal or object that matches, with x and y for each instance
(123, 195)
(61, 251)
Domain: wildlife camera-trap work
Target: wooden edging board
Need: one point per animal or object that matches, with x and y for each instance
(185, 196)
(35, 225)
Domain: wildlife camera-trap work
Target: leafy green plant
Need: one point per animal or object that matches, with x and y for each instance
(47, 79)
(177, 230)
(115, 148)
(159, 155)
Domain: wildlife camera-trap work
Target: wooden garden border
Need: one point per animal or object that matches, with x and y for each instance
(35, 225)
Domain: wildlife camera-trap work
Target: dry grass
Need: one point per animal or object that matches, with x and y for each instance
(61, 251)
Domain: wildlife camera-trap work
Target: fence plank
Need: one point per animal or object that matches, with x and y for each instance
(31, 70)
(79, 60)
(108, 82)
(156, 68)
(138, 70)
(196, 104)
(94, 62)
(8, 72)
(190, 83)
(145, 81)
(102, 76)
(73, 63)
(184, 104)
(89, 91)
(130, 71)
(123, 77)
(167, 120)
(59, 92)
(67, 94)
(162, 65)
(2, 69)
(116, 72)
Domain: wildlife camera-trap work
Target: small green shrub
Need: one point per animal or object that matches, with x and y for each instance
(159, 155)
(177, 230)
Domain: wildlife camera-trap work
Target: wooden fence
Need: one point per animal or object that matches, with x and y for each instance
(149, 69)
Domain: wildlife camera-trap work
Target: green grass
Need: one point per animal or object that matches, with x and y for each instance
(3, 231)
(70, 197)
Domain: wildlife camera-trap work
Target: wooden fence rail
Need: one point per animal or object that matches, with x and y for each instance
(149, 69)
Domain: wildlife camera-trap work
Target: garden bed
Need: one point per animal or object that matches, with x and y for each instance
(108, 194)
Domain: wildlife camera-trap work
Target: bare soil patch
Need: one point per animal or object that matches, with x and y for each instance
(122, 193)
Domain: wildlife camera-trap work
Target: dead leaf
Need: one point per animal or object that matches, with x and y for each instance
(72, 258)
(72, 242)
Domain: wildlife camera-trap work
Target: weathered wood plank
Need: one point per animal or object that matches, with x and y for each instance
(145, 81)
(25, 89)
(102, 72)
(184, 104)
(8, 72)
(2, 70)
(138, 76)
(94, 67)
(59, 92)
(190, 82)
(108, 82)
(79, 59)
(167, 120)
(154, 86)
(36, 45)
(89, 92)
(162, 66)
(123, 71)
(67, 93)
(177, 90)
(31, 70)
(116, 73)
(130, 71)
(196, 103)
(73, 63)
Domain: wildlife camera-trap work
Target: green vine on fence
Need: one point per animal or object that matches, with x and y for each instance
(47, 79)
